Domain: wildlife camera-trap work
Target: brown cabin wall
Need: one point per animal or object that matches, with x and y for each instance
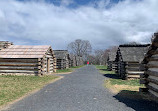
(48, 63)
(111, 66)
(27, 66)
(129, 70)
(61, 64)
(19, 66)
(150, 77)
(133, 70)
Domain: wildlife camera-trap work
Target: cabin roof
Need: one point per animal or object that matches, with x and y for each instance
(134, 45)
(24, 51)
(61, 54)
(112, 55)
(133, 54)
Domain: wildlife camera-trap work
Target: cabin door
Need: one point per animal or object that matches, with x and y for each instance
(48, 65)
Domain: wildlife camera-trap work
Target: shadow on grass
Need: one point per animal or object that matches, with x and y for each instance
(112, 76)
(135, 100)
(104, 69)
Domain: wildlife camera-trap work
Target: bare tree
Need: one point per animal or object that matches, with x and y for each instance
(80, 47)
(101, 56)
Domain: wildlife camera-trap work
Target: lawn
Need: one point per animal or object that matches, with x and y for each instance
(68, 70)
(115, 84)
(103, 69)
(14, 87)
(64, 70)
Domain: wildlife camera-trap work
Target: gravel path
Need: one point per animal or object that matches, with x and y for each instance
(82, 90)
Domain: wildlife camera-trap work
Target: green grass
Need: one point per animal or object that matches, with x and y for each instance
(115, 84)
(64, 70)
(103, 69)
(14, 87)
(68, 70)
(75, 67)
(132, 82)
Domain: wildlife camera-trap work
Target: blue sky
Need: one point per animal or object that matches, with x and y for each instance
(103, 22)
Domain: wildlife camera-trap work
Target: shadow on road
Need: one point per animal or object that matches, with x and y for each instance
(134, 100)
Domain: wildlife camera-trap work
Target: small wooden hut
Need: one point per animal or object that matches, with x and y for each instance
(111, 61)
(5, 44)
(27, 60)
(150, 66)
(63, 58)
(129, 58)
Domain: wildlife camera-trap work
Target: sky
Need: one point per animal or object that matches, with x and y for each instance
(104, 23)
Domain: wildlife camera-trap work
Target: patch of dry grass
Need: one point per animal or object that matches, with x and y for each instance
(116, 88)
(14, 87)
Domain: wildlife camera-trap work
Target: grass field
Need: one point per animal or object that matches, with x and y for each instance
(68, 70)
(103, 69)
(64, 70)
(117, 85)
(14, 87)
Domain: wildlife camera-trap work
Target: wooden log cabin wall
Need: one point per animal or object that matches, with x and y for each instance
(5, 44)
(27, 60)
(129, 58)
(111, 61)
(150, 66)
(62, 57)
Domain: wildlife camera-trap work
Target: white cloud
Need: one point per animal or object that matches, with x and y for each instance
(66, 2)
(42, 23)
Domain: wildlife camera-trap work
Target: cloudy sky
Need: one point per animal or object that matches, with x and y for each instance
(58, 22)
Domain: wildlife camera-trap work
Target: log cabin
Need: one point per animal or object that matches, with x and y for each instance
(27, 60)
(5, 44)
(111, 61)
(72, 60)
(129, 58)
(150, 66)
(63, 59)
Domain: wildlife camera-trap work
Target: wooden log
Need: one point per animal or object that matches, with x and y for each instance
(19, 60)
(17, 71)
(133, 76)
(152, 79)
(153, 93)
(19, 68)
(152, 87)
(152, 72)
(135, 72)
(22, 65)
